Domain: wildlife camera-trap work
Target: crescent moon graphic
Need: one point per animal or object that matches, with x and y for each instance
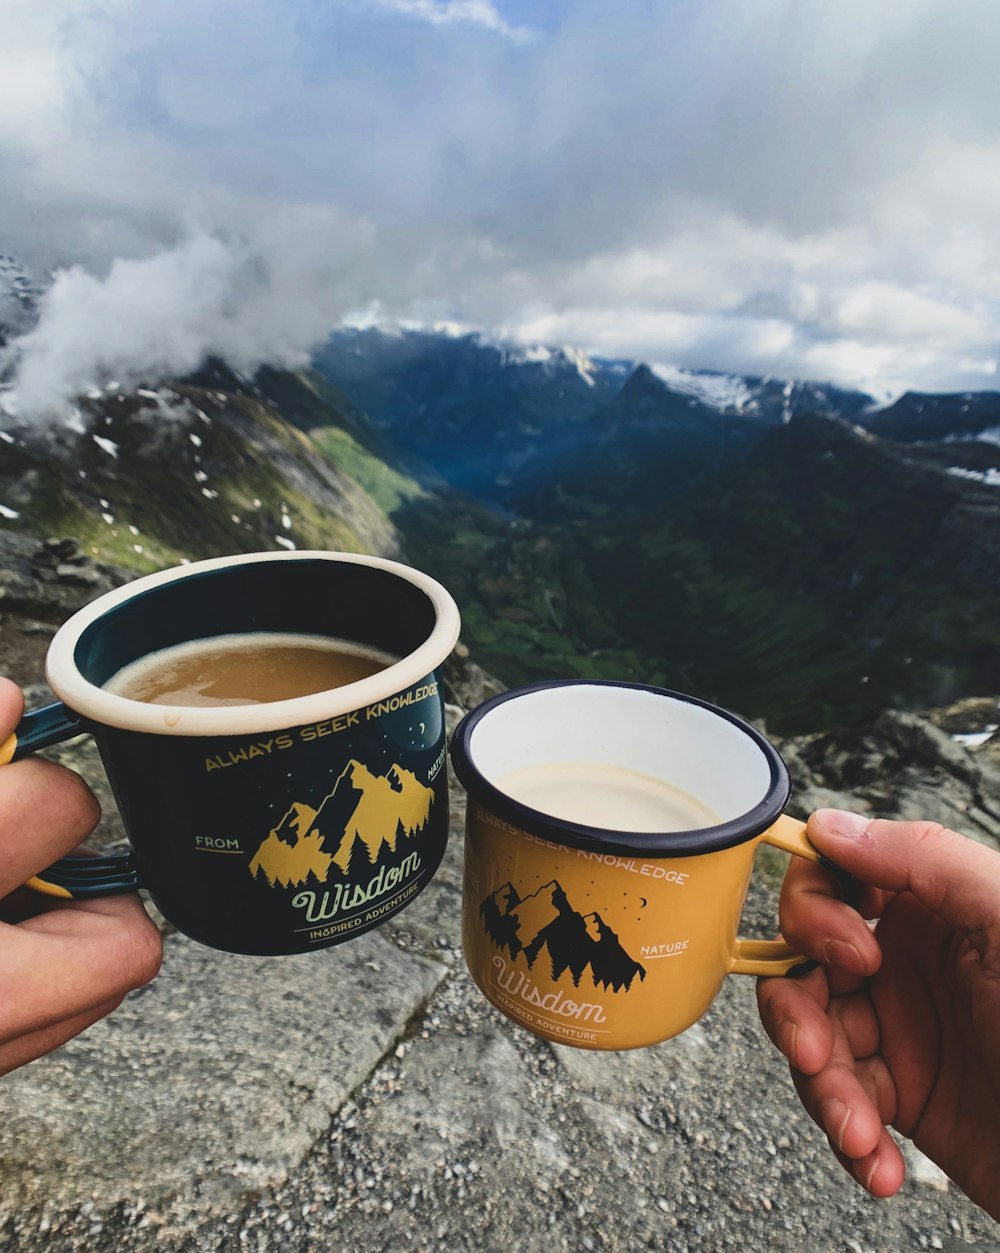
(644, 901)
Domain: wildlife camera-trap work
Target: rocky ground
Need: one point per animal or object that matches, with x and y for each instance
(368, 1097)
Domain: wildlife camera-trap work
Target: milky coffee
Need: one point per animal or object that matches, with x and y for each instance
(245, 669)
(611, 797)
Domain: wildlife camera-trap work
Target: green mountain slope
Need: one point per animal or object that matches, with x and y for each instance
(830, 574)
(197, 469)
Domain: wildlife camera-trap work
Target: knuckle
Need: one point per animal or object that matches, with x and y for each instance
(142, 952)
(930, 833)
(59, 790)
(86, 809)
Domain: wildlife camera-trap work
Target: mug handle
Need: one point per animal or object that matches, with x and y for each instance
(775, 957)
(75, 877)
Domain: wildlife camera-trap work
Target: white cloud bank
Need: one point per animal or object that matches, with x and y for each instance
(791, 187)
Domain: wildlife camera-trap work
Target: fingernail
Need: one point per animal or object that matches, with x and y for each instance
(871, 1175)
(842, 953)
(843, 824)
(836, 1116)
(787, 1031)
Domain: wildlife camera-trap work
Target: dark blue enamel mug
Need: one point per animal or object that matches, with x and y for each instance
(276, 827)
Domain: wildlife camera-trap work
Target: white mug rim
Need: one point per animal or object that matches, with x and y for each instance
(569, 834)
(96, 705)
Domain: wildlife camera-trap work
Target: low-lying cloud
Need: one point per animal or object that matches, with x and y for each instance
(269, 299)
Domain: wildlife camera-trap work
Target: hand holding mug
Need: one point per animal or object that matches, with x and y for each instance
(71, 963)
(901, 1027)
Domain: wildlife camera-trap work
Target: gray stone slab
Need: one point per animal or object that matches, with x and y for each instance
(636, 1070)
(214, 1080)
(476, 1136)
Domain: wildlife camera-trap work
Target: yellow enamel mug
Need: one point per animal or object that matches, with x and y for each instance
(610, 839)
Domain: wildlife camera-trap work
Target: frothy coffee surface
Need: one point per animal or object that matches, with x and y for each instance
(245, 669)
(612, 797)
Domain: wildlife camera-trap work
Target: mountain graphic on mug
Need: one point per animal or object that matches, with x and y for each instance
(547, 921)
(364, 814)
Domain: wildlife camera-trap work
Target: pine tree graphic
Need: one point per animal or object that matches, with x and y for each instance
(362, 815)
(499, 919)
(545, 921)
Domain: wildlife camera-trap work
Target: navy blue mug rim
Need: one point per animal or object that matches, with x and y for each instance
(665, 844)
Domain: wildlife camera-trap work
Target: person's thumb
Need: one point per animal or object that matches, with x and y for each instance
(949, 874)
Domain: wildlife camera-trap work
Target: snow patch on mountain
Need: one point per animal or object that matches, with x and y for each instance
(553, 358)
(725, 392)
(19, 296)
(584, 366)
(990, 476)
(106, 445)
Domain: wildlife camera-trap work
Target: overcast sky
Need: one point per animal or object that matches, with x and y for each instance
(804, 188)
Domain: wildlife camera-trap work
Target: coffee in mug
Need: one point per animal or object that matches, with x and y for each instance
(249, 668)
(610, 836)
(603, 795)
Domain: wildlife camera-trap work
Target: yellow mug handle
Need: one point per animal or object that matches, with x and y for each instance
(775, 957)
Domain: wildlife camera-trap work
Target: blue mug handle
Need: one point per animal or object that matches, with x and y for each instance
(70, 878)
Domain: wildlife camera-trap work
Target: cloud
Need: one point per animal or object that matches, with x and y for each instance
(725, 295)
(789, 187)
(466, 12)
(268, 298)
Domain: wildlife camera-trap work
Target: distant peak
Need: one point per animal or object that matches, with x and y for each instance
(729, 392)
(19, 297)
